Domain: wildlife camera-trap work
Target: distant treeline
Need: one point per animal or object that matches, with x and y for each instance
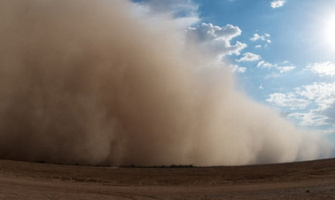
(160, 166)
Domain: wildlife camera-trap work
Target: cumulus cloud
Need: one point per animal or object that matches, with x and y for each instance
(237, 69)
(264, 37)
(322, 68)
(317, 117)
(277, 3)
(283, 67)
(216, 40)
(322, 93)
(287, 100)
(319, 95)
(264, 64)
(208, 32)
(311, 118)
(248, 57)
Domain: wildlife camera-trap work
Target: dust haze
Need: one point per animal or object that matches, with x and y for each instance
(89, 82)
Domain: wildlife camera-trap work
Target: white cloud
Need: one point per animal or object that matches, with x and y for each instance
(237, 69)
(216, 40)
(322, 93)
(264, 37)
(248, 57)
(311, 118)
(264, 64)
(258, 46)
(255, 37)
(205, 32)
(261, 87)
(322, 68)
(287, 100)
(212, 39)
(277, 3)
(281, 68)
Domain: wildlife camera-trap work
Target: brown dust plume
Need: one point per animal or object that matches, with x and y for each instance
(87, 82)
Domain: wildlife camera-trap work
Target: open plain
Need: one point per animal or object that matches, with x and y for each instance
(301, 180)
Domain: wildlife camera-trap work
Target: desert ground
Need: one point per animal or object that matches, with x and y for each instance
(300, 180)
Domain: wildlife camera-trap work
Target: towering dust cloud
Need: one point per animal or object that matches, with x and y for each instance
(84, 81)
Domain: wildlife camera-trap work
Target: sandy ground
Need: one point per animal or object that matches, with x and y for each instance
(303, 180)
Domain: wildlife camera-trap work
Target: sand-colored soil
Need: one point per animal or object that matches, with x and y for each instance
(303, 180)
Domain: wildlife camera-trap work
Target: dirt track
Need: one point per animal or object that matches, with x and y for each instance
(304, 180)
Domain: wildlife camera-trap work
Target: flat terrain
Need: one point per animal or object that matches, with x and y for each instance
(301, 180)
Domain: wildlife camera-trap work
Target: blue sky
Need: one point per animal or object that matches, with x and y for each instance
(281, 51)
